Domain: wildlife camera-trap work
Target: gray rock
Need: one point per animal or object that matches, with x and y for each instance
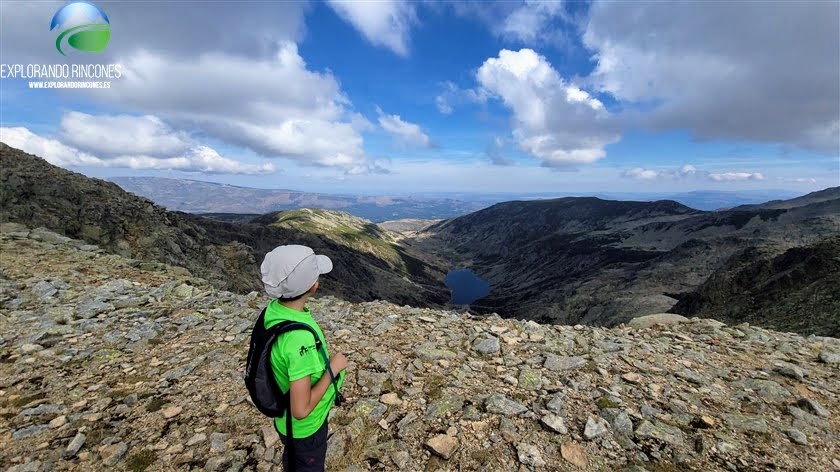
(29, 348)
(372, 381)
(556, 402)
(500, 404)
(664, 319)
(371, 409)
(430, 352)
(555, 423)
(528, 454)
(197, 438)
(216, 463)
(620, 421)
(807, 418)
(44, 290)
(47, 236)
(791, 370)
(407, 426)
(218, 442)
(831, 358)
(814, 407)
(89, 309)
(743, 424)
(111, 454)
(30, 431)
(383, 360)
(74, 446)
(33, 466)
(487, 346)
(43, 409)
(595, 428)
(401, 459)
(562, 363)
(690, 376)
(769, 390)
(660, 431)
(797, 436)
(447, 405)
(143, 333)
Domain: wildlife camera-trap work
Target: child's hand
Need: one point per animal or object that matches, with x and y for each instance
(338, 362)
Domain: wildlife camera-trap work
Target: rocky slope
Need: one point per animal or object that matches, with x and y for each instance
(108, 362)
(343, 229)
(36, 193)
(592, 261)
(796, 290)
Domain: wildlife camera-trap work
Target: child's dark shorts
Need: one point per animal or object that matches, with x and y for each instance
(310, 452)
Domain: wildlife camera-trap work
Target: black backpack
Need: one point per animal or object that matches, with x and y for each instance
(259, 377)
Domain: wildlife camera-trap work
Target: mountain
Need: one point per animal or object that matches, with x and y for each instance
(356, 234)
(105, 365)
(36, 193)
(206, 197)
(591, 261)
(796, 290)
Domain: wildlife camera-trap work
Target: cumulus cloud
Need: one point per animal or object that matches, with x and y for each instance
(195, 159)
(496, 152)
(535, 22)
(727, 70)
(688, 171)
(452, 95)
(406, 133)
(384, 23)
(238, 100)
(553, 120)
(113, 135)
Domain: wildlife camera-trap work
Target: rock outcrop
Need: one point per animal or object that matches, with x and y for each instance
(107, 362)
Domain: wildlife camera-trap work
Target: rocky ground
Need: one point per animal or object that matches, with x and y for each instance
(111, 362)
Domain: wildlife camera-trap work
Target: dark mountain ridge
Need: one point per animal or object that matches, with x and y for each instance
(592, 261)
(36, 193)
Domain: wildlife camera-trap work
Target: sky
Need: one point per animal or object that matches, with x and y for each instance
(390, 97)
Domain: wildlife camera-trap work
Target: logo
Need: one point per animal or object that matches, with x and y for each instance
(305, 350)
(83, 27)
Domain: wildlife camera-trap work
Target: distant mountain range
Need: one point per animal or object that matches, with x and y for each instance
(198, 197)
(227, 201)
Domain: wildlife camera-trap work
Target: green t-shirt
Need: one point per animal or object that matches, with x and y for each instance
(293, 357)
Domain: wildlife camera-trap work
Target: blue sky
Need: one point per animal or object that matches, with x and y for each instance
(405, 97)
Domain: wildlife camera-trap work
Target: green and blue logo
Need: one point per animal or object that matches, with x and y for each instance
(83, 26)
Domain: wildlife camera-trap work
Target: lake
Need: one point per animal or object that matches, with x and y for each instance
(466, 287)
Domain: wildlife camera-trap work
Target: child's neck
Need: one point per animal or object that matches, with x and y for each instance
(297, 305)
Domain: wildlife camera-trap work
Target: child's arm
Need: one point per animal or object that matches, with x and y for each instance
(304, 397)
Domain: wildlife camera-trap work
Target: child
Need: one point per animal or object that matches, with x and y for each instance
(290, 273)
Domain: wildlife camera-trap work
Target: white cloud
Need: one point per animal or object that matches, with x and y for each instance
(688, 171)
(736, 176)
(405, 132)
(534, 22)
(276, 106)
(113, 135)
(724, 70)
(453, 95)
(196, 159)
(51, 150)
(553, 120)
(384, 22)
